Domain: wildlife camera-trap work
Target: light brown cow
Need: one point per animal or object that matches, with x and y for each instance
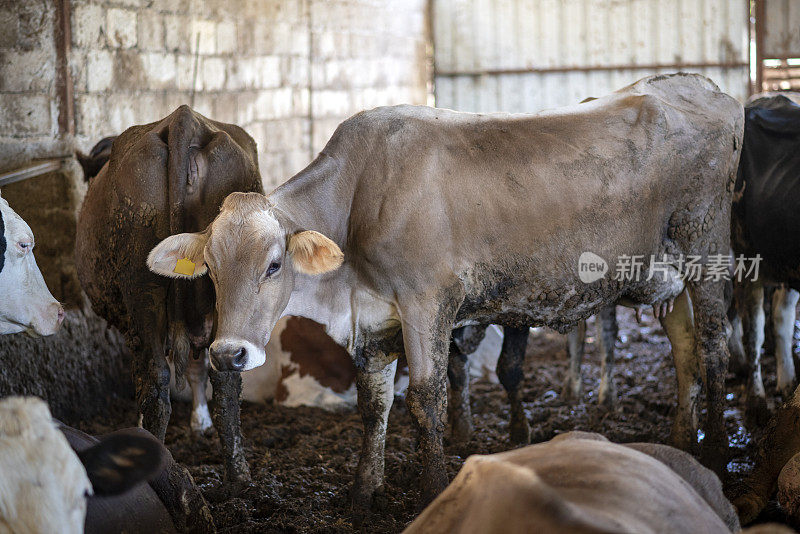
(581, 483)
(448, 219)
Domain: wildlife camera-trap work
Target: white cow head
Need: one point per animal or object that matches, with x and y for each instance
(45, 483)
(26, 304)
(253, 259)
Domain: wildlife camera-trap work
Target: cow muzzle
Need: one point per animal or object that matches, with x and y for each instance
(235, 355)
(49, 320)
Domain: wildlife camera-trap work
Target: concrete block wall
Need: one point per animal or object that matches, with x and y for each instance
(288, 71)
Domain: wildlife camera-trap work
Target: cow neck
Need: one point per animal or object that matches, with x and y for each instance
(2, 241)
(317, 198)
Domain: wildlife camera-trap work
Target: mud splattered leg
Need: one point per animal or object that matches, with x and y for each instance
(679, 326)
(375, 384)
(509, 371)
(781, 441)
(150, 368)
(197, 376)
(573, 384)
(459, 413)
(227, 392)
(711, 348)
(426, 338)
(784, 304)
(752, 314)
(607, 329)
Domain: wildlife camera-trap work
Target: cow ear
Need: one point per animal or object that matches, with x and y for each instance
(179, 256)
(120, 462)
(313, 253)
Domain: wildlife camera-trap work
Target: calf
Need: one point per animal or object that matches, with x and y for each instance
(26, 304)
(581, 482)
(46, 484)
(165, 177)
(407, 191)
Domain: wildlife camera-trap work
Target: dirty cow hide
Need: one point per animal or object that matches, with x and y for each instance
(383, 238)
(165, 177)
(2, 242)
(581, 482)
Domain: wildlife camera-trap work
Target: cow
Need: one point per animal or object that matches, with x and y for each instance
(764, 223)
(413, 221)
(165, 177)
(26, 305)
(581, 482)
(46, 484)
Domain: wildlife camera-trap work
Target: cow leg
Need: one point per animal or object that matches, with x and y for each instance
(426, 337)
(607, 329)
(711, 348)
(752, 314)
(227, 393)
(150, 368)
(784, 304)
(738, 361)
(573, 384)
(459, 413)
(197, 376)
(509, 371)
(375, 385)
(679, 326)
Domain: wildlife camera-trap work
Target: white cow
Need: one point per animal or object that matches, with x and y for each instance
(44, 483)
(26, 304)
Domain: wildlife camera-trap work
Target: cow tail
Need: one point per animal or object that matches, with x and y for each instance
(183, 132)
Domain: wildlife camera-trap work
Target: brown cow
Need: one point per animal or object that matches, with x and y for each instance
(450, 219)
(165, 177)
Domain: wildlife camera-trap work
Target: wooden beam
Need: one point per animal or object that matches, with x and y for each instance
(64, 89)
(593, 68)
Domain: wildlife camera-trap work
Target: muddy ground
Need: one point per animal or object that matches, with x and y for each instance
(303, 460)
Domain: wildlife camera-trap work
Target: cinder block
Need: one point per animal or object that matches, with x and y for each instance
(330, 103)
(151, 31)
(30, 71)
(160, 69)
(177, 34)
(90, 115)
(226, 37)
(122, 116)
(212, 74)
(121, 28)
(269, 69)
(207, 30)
(184, 72)
(99, 70)
(88, 25)
(25, 114)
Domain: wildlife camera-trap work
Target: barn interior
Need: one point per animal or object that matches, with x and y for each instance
(288, 72)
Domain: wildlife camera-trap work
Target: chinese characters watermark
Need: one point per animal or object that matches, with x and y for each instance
(691, 268)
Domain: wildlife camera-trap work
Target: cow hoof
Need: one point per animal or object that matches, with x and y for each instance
(748, 507)
(572, 390)
(461, 430)
(607, 397)
(361, 504)
(715, 457)
(756, 411)
(520, 431)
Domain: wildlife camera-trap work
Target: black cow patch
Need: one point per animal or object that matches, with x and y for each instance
(2, 242)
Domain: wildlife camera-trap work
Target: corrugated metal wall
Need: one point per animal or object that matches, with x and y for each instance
(782, 29)
(526, 55)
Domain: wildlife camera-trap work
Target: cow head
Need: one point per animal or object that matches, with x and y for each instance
(26, 305)
(253, 255)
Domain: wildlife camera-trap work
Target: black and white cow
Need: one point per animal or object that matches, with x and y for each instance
(26, 304)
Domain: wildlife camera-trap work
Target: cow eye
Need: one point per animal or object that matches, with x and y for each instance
(25, 246)
(272, 269)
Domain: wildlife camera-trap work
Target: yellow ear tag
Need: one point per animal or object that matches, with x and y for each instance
(184, 266)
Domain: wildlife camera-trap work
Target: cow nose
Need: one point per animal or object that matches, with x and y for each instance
(233, 359)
